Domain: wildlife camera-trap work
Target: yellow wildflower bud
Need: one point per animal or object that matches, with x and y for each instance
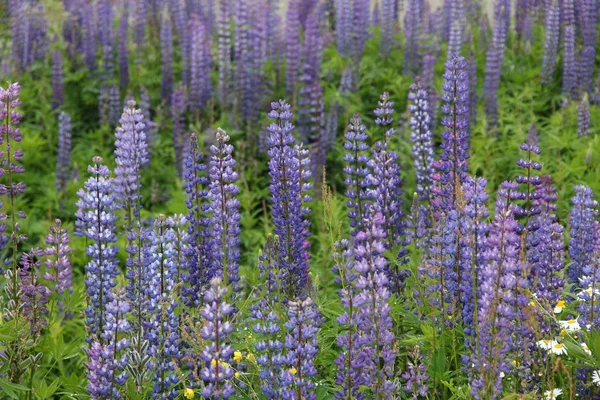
(237, 356)
(250, 357)
(237, 375)
(293, 371)
(188, 393)
(213, 362)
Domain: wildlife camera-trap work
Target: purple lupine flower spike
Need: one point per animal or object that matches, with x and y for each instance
(58, 85)
(581, 241)
(583, 117)
(96, 221)
(588, 20)
(162, 328)
(412, 31)
(388, 22)
(301, 344)
(178, 106)
(166, 52)
(286, 198)
(452, 166)
(140, 10)
(200, 65)
(292, 48)
(494, 60)
(357, 172)
(377, 355)
(114, 105)
(422, 139)
(57, 258)
(551, 42)
(150, 125)
(34, 294)
(589, 307)
(225, 225)
(124, 49)
(569, 84)
(63, 158)
(196, 188)
(217, 355)
(224, 51)
(416, 375)
(457, 27)
(88, 32)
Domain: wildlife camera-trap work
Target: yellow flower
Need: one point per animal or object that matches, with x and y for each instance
(563, 332)
(450, 317)
(250, 336)
(213, 362)
(237, 356)
(532, 303)
(237, 375)
(188, 393)
(293, 371)
(250, 357)
(559, 306)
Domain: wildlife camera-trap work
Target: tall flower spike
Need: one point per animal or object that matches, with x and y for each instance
(124, 49)
(10, 168)
(581, 242)
(452, 166)
(357, 172)
(96, 221)
(292, 48)
(494, 60)
(225, 225)
(150, 125)
(583, 117)
(551, 42)
(224, 51)
(387, 191)
(301, 344)
(166, 52)
(569, 84)
(457, 27)
(286, 198)
(196, 188)
(200, 65)
(58, 85)
(114, 105)
(422, 139)
(588, 19)
(162, 330)
(589, 307)
(34, 294)
(412, 30)
(388, 22)
(57, 258)
(63, 158)
(217, 355)
(377, 355)
(131, 154)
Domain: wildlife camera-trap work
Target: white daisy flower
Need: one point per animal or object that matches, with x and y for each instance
(546, 344)
(571, 325)
(596, 377)
(552, 394)
(559, 349)
(586, 348)
(587, 293)
(559, 306)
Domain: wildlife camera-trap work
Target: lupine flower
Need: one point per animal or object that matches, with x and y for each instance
(178, 106)
(375, 337)
(114, 105)
(196, 188)
(34, 294)
(105, 24)
(387, 190)
(583, 117)
(349, 374)
(388, 24)
(124, 49)
(531, 181)
(286, 197)
(240, 47)
(166, 52)
(343, 19)
(412, 30)
(88, 40)
(131, 154)
(224, 51)
(96, 221)
(139, 23)
(422, 139)
(587, 14)
(497, 304)
(200, 66)
(63, 158)
(472, 73)
(590, 308)
(225, 220)
(57, 261)
(269, 346)
(494, 60)
(581, 242)
(303, 324)
(162, 329)
(452, 166)
(357, 173)
(416, 375)
(457, 27)
(106, 360)
(551, 42)
(217, 355)
(10, 136)
(58, 85)
(569, 84)
(292, 25)
(472, 247)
